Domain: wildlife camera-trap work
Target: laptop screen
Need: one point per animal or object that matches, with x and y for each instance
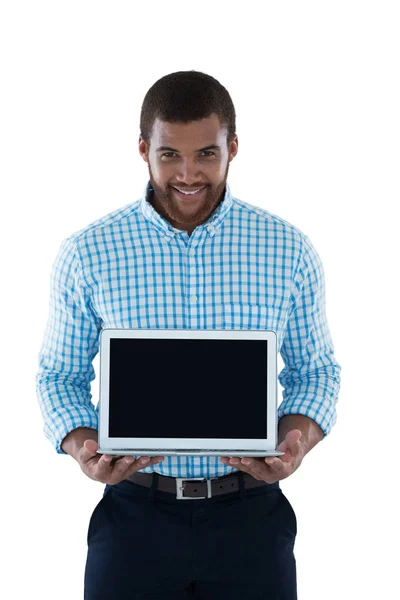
(188, 388)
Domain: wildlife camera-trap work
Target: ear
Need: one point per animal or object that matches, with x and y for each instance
(144, 149)
(233, 148)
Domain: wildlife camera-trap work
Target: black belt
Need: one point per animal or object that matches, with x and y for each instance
(198, 487)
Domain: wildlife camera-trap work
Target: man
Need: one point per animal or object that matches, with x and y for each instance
(189, 255)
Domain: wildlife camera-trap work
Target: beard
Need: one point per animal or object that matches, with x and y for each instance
(165, 202)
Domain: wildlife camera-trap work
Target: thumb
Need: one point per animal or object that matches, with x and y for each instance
(91, 447)
(292, 437)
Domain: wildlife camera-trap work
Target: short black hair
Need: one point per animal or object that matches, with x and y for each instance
(186, 96)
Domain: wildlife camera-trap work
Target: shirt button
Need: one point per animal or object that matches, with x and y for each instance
(193, 298)
(193, 252)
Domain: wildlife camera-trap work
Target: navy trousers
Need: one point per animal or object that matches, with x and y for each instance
(146, 544)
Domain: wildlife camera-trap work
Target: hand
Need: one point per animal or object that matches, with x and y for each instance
(110, 469)
(271, 469)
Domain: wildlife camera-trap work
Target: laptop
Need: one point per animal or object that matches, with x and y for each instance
(187, 392)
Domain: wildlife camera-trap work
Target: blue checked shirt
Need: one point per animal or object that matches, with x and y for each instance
(244, 268)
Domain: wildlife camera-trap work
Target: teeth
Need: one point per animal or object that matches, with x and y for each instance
(188, 193)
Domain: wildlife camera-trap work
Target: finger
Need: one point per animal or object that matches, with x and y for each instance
(292, 439)
(253, 466)
(293, 453)
(269, 469)
(129, 465)
(106, 468)
(233, 461)
(273, 462)
(137, 465)
(104, 464)
(278, 468)
(121, 466)
(257, 468)
(88, 450)
(293, 436)
(237, 463)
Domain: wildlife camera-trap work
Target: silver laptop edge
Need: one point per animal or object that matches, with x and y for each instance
(121, 447)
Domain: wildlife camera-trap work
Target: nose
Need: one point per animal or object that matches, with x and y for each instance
(189, 173)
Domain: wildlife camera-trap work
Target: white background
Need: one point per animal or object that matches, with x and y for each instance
(316, 91)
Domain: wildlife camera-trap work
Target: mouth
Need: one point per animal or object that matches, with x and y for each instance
(189, 194)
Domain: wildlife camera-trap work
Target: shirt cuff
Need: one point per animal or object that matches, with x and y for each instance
(64, 420)
(321, 410)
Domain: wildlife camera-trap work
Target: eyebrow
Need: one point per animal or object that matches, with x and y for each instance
(211, 147)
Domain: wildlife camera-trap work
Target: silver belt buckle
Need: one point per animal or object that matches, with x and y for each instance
(179, 488)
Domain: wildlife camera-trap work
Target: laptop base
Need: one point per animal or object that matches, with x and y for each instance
(150, 452)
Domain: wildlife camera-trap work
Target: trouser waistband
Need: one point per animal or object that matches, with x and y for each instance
(198, 488)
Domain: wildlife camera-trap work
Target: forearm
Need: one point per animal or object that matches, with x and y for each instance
(311, 433)
(74, 441)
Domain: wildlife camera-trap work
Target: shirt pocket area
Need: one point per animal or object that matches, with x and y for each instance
(249, 316)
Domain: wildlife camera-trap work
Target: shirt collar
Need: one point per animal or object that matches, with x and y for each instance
(211, 225)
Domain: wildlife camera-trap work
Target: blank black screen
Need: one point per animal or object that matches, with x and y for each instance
(181, 388)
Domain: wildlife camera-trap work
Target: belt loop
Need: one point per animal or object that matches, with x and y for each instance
(154, 485)
(242, 488)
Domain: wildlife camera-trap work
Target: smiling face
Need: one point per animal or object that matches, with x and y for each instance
(188, 157)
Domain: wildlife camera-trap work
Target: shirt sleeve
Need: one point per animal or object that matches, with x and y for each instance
(70, 343)
(311, 376)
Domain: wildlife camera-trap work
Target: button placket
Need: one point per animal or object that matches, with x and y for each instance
(193, 277)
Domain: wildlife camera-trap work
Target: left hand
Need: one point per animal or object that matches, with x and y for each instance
(272, 468)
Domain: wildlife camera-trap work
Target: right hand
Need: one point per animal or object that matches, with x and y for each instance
(110, 469)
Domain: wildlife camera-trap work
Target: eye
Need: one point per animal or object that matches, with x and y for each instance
(207, 153)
